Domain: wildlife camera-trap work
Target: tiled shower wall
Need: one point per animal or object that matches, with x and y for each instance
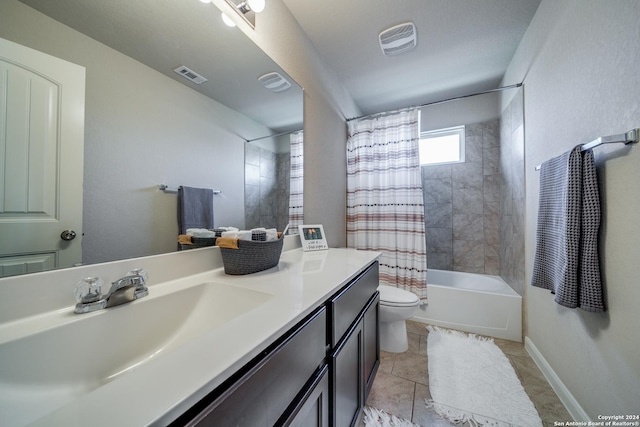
(512, 194)
(266, 188)
(462, 205)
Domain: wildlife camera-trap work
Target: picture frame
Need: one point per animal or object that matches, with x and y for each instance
(312, 237)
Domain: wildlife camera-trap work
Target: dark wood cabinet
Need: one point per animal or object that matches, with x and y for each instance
(261, 393)
(312, 409)
(354, 363)
(319, 373)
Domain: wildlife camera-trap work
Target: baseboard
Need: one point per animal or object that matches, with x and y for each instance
(567, 399)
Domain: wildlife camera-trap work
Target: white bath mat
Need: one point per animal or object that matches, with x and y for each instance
(378, 418)
(471, 380)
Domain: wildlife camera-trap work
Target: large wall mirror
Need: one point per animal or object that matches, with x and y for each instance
(146, 124)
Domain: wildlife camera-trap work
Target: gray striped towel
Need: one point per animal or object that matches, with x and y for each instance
(566, 259)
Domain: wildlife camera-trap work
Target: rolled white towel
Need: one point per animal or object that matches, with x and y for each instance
(272, 234)
(244, 234)
(200, 232)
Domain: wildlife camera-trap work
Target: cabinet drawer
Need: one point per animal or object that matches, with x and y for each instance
(262, 394)
(346, 305)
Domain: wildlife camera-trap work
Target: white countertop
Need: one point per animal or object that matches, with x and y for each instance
(167, 385)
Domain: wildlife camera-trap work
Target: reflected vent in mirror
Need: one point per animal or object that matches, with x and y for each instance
(398, 39)
(274, 82)
(191, 75)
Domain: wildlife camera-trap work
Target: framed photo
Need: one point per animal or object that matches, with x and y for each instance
(312, 237)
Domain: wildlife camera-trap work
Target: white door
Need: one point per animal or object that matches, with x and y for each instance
(41, 160)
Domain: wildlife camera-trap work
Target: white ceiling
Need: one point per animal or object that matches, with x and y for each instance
(464, 46)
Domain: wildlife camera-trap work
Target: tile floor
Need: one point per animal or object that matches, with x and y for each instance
(402, 382)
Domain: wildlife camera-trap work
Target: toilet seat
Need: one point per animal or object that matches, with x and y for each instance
(396, 297)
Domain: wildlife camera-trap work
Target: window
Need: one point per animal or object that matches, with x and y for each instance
(442, 146)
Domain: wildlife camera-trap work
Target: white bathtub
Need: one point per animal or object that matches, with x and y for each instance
(476, 303)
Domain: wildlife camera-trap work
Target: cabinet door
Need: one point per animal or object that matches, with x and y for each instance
(313, 408)
(263, 394)
(347, 375)
(371, 342)
(346, 305)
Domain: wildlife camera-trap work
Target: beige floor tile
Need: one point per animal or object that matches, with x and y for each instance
(402, 382)
(386, 362)
(421, 414)
(412, 367)
(545, 399)
(392, 394)
(526, 369)
(414, 343)
(510, 347)
(417, 327)
(423, 345)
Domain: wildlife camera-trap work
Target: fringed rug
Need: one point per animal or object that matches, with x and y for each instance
(378, 418)
(471, 380)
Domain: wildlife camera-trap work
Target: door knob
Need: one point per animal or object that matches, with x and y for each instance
(68, 235)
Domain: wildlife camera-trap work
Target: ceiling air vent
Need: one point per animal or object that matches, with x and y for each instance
(191, 75)
(398, 39)
(274, 82)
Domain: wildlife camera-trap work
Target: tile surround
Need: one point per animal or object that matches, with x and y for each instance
(512, 194)
(474, 211)
(266, 188)
(402, 383)
(462, 202)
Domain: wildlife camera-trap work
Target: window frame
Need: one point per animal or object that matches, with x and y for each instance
(437, 133)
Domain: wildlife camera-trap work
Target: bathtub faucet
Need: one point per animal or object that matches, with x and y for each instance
(131, 287)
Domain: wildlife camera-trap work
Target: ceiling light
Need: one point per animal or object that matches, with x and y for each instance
(228, 20)
(256, 5)
(247, 9)
(205, 1)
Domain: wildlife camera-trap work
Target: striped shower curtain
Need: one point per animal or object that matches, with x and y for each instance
(385, 210)
(296, 181)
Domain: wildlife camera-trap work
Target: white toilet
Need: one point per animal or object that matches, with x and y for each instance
(396, 306)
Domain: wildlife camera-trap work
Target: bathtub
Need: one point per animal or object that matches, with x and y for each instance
(476, 303)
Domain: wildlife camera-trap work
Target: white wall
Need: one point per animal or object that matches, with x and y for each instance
(475, 109)
(580, 61)
(142, 129)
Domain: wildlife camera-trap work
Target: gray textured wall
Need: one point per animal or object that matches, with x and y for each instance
(579, 61)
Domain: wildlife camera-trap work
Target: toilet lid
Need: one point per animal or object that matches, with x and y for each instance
(390, 295)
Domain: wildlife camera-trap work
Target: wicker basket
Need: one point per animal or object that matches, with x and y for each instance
(200, 242)
(251, 257)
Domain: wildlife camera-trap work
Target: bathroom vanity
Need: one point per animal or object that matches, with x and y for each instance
(293, 345)
(318, 373)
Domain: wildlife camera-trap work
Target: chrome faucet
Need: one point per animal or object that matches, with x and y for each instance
(88, 291)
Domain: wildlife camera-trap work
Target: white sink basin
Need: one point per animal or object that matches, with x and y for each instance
(43, 371)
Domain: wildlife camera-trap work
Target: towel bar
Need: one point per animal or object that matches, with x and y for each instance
(630, 137)
(166, 189)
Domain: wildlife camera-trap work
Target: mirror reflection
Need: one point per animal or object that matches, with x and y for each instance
(145, 124)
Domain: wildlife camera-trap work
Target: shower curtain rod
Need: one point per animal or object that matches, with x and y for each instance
(439, 102)
(273, 136)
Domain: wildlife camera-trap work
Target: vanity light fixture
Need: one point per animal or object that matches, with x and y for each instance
(246, 9)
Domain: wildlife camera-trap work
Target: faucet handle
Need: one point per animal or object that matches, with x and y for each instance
(88, 290)
(139, 272)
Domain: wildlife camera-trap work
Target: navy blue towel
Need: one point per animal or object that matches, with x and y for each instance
(195, 208)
